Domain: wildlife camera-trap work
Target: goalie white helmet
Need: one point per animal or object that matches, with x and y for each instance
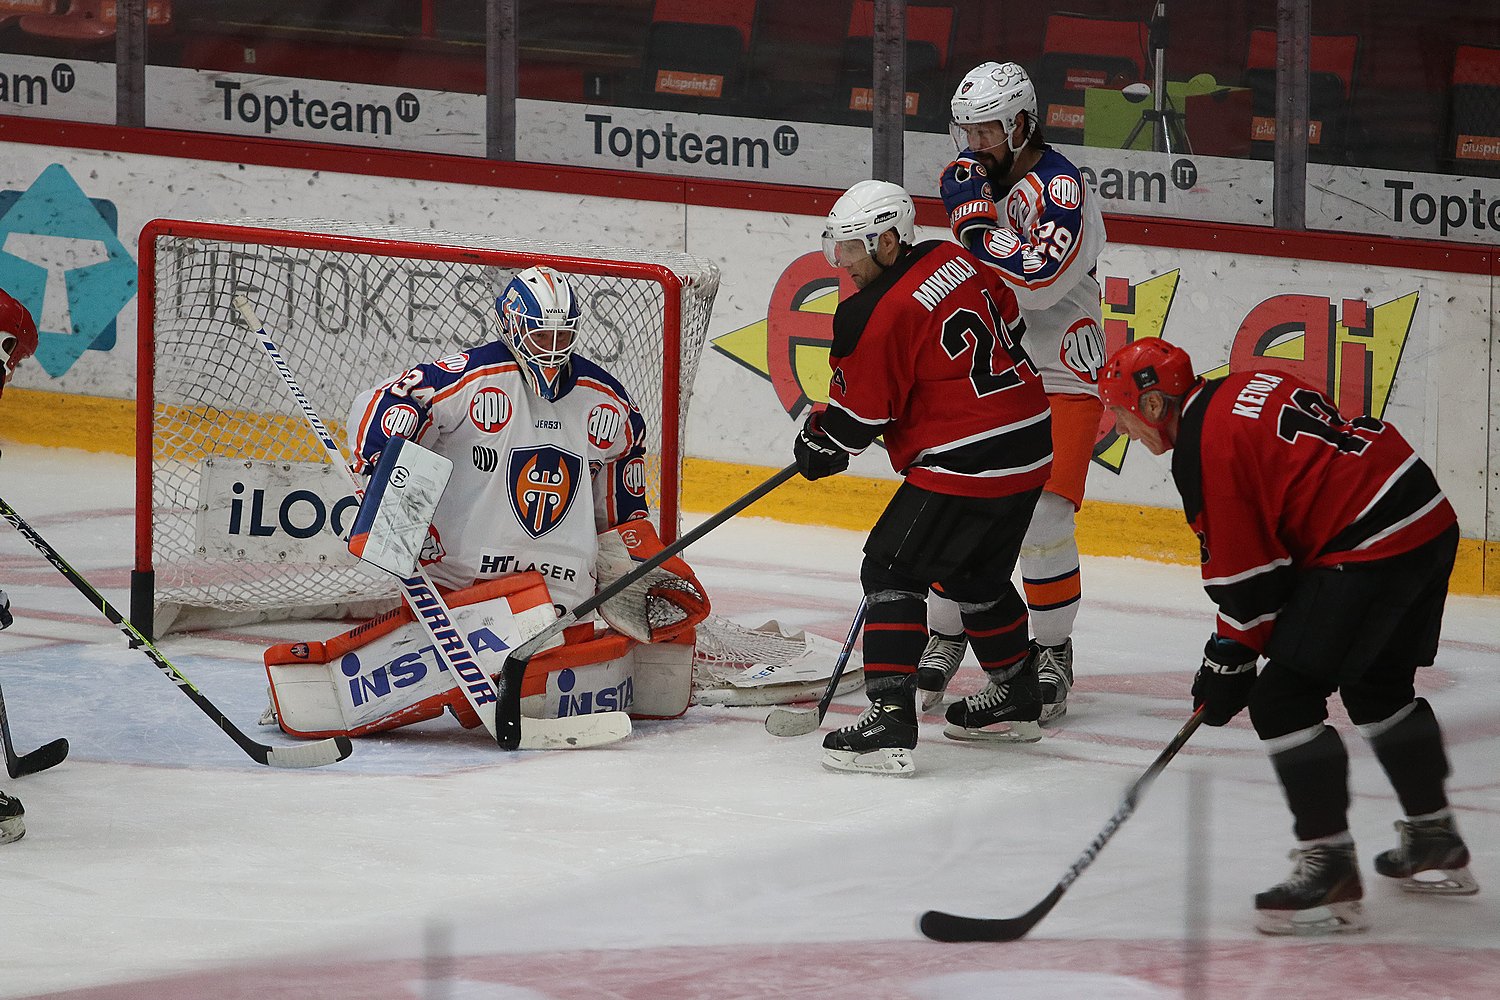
(539, 314)
(863, 213)
(995, 92)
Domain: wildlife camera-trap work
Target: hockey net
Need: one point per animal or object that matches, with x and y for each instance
(239, 517)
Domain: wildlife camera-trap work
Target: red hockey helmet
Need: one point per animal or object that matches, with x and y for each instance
(1146, 365)
(17, 336)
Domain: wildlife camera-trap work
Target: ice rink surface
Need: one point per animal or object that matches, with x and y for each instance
(700, 858)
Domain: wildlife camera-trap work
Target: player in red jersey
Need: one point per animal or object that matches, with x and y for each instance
(927, 353)
(1327, 546)
(18, 341)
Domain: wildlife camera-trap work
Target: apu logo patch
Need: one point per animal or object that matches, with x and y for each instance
(453, 363)
(1065, 192)
(399, 419)
(543, 483)
(635, 477)
(490, 409)
(604, 425)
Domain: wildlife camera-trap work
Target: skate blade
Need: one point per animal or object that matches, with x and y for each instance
(1442, 882)
(931, 700)
(1014, 732)
(12, 830)
(1334, 918)
(1051, 713)
(895, 762)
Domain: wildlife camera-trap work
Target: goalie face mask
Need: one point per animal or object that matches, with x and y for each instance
(539, 314)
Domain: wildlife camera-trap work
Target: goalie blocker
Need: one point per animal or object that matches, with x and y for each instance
(385, 673)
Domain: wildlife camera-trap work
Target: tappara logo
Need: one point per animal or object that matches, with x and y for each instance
(543, 483)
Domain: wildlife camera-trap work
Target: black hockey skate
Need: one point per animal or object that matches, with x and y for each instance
(1432, 859)
(12, 825)
(939, 662)
(1054, 672)
(1321, 896)
(1006, 711)
(880, 741)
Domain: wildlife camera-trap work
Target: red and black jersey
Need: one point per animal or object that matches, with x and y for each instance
(1274, 480)
(929, 355)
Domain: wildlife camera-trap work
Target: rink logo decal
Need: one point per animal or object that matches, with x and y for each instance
(272, 111)
(575, 699)
(641, 144)
(543, 483)
(1346, 348)
(299, 513)
(61, 256)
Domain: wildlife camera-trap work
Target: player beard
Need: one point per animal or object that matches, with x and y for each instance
(998, 166)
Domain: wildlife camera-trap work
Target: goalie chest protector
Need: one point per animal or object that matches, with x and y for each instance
(385, 673)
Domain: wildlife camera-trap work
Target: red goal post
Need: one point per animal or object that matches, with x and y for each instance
(238, 515)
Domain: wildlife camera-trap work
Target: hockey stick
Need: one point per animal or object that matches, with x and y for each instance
(940, 926)
(309, 755)
(43, 757)
(794, 722)
(499, 709)
(516, 659)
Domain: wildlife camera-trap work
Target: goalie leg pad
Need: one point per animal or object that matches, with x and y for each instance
(385, 672)
(610, 672)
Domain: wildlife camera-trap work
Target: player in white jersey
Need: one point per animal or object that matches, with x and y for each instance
(547, 448)
(1024, 209)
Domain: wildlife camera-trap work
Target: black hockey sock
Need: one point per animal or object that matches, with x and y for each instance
(1315, 778)
(998, 633)
(895, 635)
(1411, 752)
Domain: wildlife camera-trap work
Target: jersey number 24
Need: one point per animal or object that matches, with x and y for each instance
(991, 370)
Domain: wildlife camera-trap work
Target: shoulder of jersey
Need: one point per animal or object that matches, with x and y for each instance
(1060, 179)
(586, 370)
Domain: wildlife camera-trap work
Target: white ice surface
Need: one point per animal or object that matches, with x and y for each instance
(700, 858)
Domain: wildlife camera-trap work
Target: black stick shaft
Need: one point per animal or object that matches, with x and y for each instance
(323, 752)
(940, 926)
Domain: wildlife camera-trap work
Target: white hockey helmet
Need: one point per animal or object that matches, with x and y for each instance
(539, 314)
(863, 213)
(994, 92)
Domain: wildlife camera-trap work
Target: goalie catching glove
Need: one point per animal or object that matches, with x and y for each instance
(664, 603)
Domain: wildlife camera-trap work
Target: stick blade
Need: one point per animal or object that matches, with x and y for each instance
(792, 722)
(574, 732)
(43, 757)
(954, 929)
(329, 751)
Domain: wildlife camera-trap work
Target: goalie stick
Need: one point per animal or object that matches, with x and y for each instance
(498, 708)
(43, 757)
(792, 722)
(308, 755)
(940, 926)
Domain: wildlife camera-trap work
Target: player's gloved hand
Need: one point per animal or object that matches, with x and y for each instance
(816, 453)
(1224, 680)
(968, 196)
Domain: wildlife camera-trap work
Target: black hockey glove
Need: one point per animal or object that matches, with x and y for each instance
(1224, 681)
(5, 619)
(818, 457)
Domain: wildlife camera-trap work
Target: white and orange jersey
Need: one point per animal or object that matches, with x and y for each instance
(1046, 248)
(534, 481)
